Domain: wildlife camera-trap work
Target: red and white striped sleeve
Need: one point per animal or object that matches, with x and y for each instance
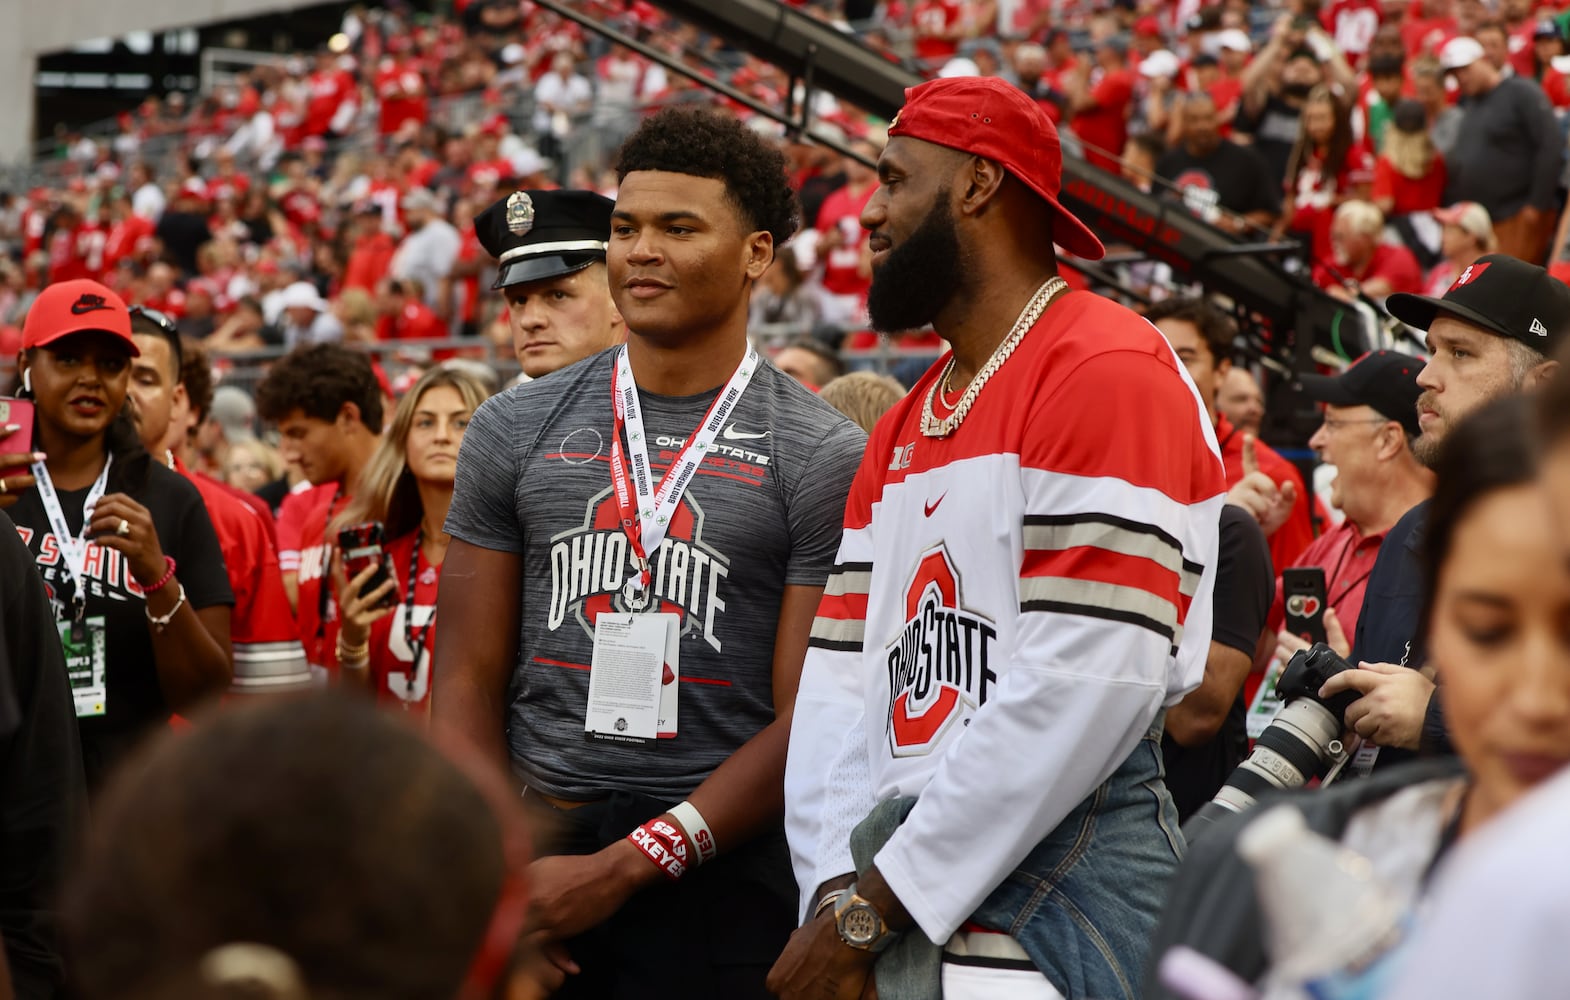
(826, 726)
(1122, 489)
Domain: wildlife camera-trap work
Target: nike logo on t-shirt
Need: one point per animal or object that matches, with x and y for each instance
(930, 507)
(732, 434)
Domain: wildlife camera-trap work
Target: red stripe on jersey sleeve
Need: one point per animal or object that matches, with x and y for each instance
(1090, 564)
(843, 607)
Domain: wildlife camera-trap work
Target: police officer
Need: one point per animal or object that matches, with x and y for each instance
(550, 251)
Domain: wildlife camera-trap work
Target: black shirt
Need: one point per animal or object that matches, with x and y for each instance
(42, 795)
(135, 699)
(1275, 133)
(1234, 177)
(1245, 585)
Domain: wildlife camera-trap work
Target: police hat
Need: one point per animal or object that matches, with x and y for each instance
(544, 234)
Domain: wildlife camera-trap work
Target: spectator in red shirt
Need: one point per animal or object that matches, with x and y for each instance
(227, 181)
(373, 250)
(1325, 169)
(1369, 425)
(1409, 175)
(126, 228)
(940, 26)
(1467, 235)
(327, 403)
(331, 105)
(1099, 103)
(268, 656)
(1352, 23)
(404, 314)
(843, 283)
(400, 89)
(407, 487)
(1202, 337)
(1429, 24)
(1362, 261)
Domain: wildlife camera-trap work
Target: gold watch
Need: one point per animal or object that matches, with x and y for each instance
(860, 924)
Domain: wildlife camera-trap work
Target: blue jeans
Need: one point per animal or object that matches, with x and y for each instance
(1083, 903)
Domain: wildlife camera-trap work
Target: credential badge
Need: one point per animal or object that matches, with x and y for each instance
(520, 213)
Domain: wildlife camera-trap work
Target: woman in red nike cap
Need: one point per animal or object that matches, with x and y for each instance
(124, 545)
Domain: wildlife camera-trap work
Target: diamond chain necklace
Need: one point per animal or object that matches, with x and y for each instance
(931, 426)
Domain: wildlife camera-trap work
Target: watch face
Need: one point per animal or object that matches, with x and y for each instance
(861, 924)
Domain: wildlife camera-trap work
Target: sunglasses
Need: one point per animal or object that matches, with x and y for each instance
(163, 322)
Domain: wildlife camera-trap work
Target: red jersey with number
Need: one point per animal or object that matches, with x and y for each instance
(1352, 24)
(401, 642)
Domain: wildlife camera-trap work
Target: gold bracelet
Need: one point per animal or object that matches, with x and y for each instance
(828, 901)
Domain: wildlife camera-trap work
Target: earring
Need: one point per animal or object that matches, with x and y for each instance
(27, 381)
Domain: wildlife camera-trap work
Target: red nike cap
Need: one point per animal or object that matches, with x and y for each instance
(76, 306)
(986, 117)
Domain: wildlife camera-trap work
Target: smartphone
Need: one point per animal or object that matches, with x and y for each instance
(361, 546)
(1304, 593)
(19, 442)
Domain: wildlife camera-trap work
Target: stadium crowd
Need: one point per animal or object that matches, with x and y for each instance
(353, 342)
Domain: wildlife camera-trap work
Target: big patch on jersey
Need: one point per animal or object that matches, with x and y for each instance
(940, 662)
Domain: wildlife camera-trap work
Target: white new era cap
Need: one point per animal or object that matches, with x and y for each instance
(1459, 53)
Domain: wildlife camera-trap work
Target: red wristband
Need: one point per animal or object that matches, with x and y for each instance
(664, 845)
(163, 581)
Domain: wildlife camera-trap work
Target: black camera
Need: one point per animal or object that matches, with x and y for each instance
(1303, 742)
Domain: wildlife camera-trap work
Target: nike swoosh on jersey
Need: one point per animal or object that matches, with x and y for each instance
(930, 507)
(732, 434)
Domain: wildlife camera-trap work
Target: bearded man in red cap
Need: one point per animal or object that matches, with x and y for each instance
(1023, 586)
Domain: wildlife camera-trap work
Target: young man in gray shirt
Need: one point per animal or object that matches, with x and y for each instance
(705, 502)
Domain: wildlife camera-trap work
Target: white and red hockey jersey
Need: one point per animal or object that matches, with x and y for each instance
(1012, 606)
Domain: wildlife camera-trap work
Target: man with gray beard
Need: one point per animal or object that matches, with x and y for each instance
(1490, 335)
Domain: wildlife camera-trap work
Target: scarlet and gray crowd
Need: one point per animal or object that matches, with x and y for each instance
(743, 688)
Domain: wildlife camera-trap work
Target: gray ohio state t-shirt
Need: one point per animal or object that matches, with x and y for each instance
(764, 511)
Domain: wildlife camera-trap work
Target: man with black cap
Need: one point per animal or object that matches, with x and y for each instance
(550, 252)
(1491, 334)
(1025, 581)
(1369, 427)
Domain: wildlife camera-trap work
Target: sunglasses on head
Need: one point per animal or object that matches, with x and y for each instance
(163, 322)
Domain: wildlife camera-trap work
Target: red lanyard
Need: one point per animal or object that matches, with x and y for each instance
(645, 510)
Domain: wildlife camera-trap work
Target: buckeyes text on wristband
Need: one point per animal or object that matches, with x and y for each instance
(660, 850)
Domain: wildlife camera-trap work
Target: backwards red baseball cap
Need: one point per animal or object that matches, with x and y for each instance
(77, 306)
(986, 117)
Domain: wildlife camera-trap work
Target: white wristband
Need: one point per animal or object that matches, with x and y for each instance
(698, 831)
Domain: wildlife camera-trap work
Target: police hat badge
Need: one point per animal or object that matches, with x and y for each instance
(520, 213)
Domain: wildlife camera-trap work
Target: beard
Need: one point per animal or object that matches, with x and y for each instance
(918, 278)
(1431, 441)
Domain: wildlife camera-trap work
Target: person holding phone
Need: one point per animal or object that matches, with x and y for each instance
(125, 546)
(386, 625)
(1369, 426)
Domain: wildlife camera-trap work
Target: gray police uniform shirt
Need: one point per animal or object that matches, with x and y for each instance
(765, 511)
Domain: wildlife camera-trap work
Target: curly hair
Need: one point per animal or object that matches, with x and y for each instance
(317, 380)
(1215, 327)
(711, 144)
(196, 374)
